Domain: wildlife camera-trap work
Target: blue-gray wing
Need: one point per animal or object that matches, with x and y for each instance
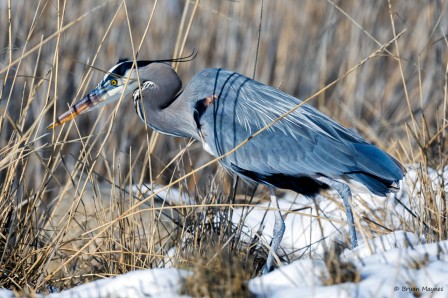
(304, 144)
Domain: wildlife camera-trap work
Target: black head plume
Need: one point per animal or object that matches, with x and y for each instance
(188, 58)
(124, 65)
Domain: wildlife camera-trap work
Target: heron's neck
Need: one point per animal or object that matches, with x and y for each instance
(163, 110)
(172, 116)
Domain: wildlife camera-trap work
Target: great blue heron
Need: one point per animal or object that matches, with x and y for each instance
(306, 151)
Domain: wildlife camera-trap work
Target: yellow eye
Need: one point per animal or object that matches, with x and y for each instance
(113, 82)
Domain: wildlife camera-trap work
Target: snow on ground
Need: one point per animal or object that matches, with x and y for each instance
(398, 267)
(144, 283)
(403, 271)
(398, 264)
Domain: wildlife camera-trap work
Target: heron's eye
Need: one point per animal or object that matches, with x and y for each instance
(113, 82)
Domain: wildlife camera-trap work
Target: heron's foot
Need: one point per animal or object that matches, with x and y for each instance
(353, 236)
(266, 269)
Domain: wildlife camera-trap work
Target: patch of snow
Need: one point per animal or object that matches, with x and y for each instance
(308, 274)
(4, 293)
(142, 283)
(403, 271)
(304, 232)
(397, 239)
(170, 195)
(168, 260)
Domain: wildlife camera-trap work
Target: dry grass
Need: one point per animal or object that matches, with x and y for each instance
(222, 274)
(339, 271)
(212, 250)
(66, 213)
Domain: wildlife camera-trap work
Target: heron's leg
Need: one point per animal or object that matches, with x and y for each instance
(346, 195)
(279, 230)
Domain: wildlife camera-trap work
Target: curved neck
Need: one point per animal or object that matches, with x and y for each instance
(164, 109)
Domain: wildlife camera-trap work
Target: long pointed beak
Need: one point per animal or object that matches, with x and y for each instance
(87, 103)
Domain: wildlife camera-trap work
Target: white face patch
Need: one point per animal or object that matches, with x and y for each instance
(112, 70)
(116, 91)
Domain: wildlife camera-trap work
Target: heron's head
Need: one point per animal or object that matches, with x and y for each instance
(120, 81)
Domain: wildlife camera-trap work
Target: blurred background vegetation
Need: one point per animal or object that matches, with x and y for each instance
(53, 52)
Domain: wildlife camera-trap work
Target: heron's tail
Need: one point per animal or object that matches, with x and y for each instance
(377, 170)
(376, 185)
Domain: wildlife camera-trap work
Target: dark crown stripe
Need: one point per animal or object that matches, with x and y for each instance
(124, 65)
